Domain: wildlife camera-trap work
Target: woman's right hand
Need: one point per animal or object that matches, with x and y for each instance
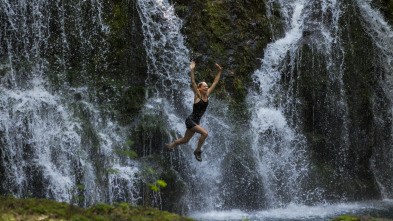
(192, 64)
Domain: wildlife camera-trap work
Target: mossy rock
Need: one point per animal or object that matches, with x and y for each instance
(339, 128)
(150, 135)
(155, 171)
(113, 69)
(246, 193)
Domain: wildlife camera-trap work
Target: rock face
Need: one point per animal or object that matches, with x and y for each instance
(353, 133)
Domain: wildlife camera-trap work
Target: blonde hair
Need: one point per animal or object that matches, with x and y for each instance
(200, 84)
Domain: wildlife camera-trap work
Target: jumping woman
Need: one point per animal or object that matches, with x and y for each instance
(201, 95)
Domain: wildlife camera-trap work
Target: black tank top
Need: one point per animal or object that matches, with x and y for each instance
(198, 109)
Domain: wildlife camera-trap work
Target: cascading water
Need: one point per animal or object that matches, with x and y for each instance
(55, 143)
(284, 127)
(307, 78)
(280, 154)
(322, 30)
(382, 36)
(283, 154)
(169, 80)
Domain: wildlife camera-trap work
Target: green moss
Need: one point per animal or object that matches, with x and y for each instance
(129, 153)
(42, 209)
(239, 89)
(346, 218)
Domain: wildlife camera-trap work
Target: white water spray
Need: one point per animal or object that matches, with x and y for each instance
(279, 152)
(381, 33)
(169, 78)
(45, 145)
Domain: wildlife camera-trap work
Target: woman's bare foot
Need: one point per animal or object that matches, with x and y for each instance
(167, 147)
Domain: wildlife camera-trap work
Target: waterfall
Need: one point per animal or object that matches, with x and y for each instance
(320, 128)
(172, 99)
(55, 142)
(305, 113)
(279, 151)
(278, 141)
(303, 120)
(382, 35)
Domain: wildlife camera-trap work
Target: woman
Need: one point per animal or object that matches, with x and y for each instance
(201, 95)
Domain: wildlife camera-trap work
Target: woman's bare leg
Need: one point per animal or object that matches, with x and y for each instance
(187, 136)
(204, 134)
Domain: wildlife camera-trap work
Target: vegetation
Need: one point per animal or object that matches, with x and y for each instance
(359, 218)
(346, 218)
(42, 209)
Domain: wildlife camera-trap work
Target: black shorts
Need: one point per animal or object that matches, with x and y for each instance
(190, 123)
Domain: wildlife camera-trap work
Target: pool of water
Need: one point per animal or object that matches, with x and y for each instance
(383, 209)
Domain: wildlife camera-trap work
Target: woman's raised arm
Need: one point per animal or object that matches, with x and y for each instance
(194, 85)
(215, 80)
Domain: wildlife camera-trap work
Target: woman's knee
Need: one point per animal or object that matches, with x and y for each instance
(205, 133)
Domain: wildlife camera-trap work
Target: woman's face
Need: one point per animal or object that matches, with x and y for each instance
(203, 88)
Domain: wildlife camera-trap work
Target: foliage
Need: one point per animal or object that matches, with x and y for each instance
(149, 176)
(157, 185)
(42, 209)
(130, 153)
(127, 151)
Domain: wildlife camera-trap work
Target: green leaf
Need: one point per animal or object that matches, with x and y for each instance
(161, 183)
(154, 188)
